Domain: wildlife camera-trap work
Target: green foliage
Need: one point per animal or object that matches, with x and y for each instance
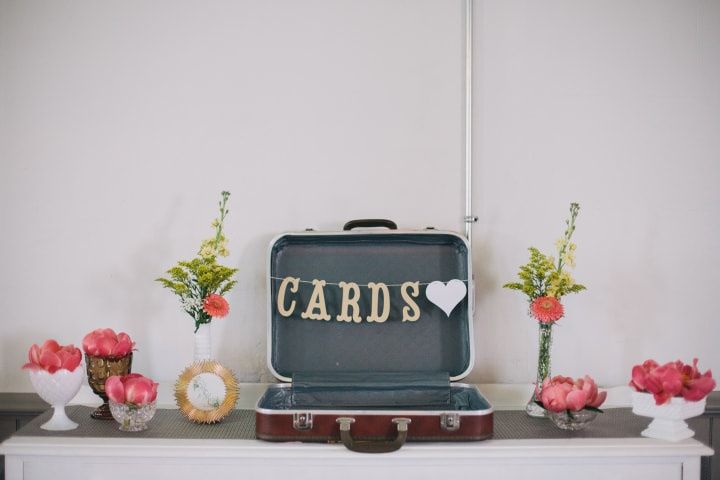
(541, 276)
(534, 275)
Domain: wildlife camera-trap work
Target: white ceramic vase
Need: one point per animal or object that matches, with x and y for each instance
(202, 344)
(668, 419)
(58, 389)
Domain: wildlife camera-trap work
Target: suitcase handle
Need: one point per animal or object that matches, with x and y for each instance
(370, 222)
(373, 446)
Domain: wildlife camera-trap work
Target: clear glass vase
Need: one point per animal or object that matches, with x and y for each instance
(568, 420)
(133, 418)
(543, 370)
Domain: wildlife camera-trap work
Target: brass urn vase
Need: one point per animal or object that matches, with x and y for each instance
(98, 370)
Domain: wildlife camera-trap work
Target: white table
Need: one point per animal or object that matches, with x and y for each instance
(32, 458)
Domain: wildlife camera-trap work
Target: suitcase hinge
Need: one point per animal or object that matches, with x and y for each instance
(450, 422)
(302, 421)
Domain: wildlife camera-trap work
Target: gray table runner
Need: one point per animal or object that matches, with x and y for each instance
(240, 424)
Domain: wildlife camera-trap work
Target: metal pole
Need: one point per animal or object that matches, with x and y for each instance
(470, 218)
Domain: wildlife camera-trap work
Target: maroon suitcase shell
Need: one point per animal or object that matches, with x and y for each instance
(367, 381)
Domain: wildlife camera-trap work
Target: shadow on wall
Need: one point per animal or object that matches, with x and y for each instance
(130, 294)
(244, 342)
(485, 285)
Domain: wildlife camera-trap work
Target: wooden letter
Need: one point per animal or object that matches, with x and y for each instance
(349, 301)
(412, 311)
(294, 284)
(317, 301)
(375, 288)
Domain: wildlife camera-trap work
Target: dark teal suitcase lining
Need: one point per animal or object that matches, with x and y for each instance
(462, 398)
(433, 344)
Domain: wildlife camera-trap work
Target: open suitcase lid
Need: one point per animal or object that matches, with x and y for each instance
(435, 342)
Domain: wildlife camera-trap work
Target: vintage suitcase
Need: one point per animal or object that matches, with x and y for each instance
(373, 328)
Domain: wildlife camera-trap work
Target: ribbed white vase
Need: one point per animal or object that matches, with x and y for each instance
(58, 389)
(203, 343)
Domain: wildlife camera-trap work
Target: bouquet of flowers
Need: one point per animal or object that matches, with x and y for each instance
(673, 379)
(201, 282)
(543, 279)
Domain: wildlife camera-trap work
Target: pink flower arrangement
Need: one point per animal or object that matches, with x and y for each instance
(104, 342)
(547, 309)
(559, 394)
(215, 305)
(52, 357)
(673, 379)
(132, 389)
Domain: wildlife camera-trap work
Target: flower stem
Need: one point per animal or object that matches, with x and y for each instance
(223, 212)
(574, 210)
(543, 367)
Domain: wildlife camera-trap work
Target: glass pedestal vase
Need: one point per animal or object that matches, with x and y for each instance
(202, 346)
(543, 370)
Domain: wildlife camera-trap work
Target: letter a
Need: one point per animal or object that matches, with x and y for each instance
(317, 301)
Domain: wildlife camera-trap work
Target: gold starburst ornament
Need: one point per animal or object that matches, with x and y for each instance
(206, 392)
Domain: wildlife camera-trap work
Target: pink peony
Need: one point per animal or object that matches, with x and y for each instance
(695, 385)
(673, 379)
(640, 372)
(547, 309)
(594, 398)
(133, 389)
(104, 342)
(563, 393)
(53, 357)
(215, 305)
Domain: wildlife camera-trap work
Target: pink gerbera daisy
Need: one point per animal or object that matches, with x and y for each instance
(547, 309)
(215, 305)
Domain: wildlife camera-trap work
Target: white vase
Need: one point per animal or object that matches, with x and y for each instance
(203, 344)
(58, 389)
(668, 419)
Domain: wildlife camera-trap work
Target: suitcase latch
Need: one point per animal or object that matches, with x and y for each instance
(302, 421)
(450, 422)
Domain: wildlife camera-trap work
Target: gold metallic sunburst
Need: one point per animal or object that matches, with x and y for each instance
(216, 409)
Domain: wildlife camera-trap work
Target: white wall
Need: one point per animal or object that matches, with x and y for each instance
(120, 122)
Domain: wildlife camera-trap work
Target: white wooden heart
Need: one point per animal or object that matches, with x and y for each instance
(446, 296)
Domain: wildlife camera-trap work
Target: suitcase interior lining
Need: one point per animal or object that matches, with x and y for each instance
(462, 398)
(366, 389)
(435, 342)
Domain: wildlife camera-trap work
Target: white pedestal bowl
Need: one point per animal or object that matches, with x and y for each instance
(668, 419)
(58, 389)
